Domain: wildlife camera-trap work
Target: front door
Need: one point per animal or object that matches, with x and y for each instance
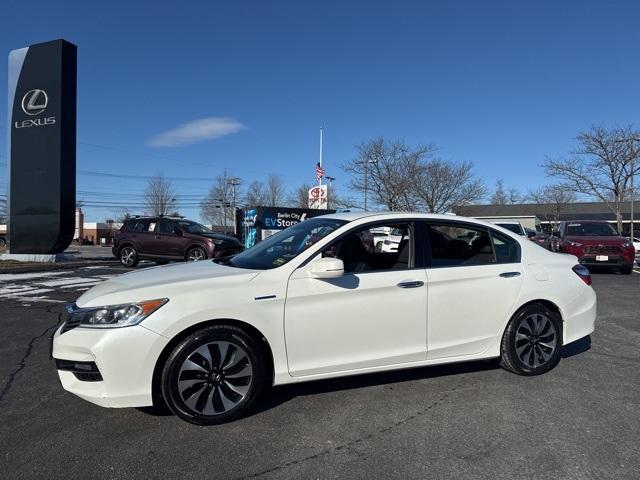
(374, 315)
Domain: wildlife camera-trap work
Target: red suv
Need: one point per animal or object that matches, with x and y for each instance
(163, 239)
(596, 244)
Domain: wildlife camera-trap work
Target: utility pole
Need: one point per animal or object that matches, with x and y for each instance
(633, 196)
(234, 182)
(634, 154)
(320, 162)
(329, 188)
(366, 181)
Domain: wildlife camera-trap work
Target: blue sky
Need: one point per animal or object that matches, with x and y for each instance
(499, 83)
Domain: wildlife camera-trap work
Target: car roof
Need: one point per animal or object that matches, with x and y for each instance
(353, 216)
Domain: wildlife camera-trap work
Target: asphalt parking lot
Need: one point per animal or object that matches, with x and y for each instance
(464, 421)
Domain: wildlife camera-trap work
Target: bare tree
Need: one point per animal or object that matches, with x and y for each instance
(552, 200)
(600, 166)
(275, 193)
(255, 194)
(216, 207)
(442, 185)
(299, 198)
(385, 171)
(504, 196)
(3, 210)
(159, 195)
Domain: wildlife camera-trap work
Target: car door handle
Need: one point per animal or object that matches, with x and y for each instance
(510, 274)
(411, 284)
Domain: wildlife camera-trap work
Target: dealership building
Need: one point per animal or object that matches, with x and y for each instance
(544, 216)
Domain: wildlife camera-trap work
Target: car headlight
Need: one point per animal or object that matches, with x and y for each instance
(575, 244)
(626, 245)
(113, 316)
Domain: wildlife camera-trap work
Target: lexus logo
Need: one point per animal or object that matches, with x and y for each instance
(35, 102)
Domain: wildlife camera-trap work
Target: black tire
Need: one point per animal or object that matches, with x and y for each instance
(128, 256)
(3, 242)
(213, 389)
(195, 254)
(526, 351)
(627, 269)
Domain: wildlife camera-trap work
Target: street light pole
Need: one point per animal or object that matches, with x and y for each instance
(234, 182)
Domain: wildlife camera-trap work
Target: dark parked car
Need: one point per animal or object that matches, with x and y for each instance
(596, 243)
(539, 238)
(163, 239)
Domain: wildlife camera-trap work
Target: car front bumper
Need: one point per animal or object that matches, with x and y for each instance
(125, 359)
(612, 261)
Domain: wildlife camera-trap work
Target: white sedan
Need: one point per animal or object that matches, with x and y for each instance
(312, 302)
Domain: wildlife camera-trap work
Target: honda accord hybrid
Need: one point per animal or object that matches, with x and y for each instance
(313, 302)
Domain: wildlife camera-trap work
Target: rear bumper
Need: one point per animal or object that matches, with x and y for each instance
(581, 318)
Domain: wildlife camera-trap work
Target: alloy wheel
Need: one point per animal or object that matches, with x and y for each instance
(196, 255)
(215, 378)
(128, 256)
(535, 340)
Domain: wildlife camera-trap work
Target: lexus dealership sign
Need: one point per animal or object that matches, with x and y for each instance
(42, 147)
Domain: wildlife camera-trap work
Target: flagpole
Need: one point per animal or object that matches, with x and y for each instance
(320, 162)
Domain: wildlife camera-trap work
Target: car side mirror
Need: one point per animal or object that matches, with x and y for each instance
(327, 267)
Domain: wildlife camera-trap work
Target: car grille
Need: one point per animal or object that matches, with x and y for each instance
(602, 249)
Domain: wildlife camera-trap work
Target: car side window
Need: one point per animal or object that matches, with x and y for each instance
(167, 227)
(454, 245)
(374, 248)
(506, 248)
(142, 225)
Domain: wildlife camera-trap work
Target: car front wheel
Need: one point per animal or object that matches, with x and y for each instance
(196, 254)
(213, 376)
(532, 340)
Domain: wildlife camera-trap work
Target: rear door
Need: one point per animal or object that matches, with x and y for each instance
(474, 278)
(142, 234)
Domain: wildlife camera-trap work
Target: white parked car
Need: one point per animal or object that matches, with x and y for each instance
(515, 227)
(312, 302)
(636, 244)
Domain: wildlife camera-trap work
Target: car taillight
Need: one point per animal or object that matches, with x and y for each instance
(583, 273)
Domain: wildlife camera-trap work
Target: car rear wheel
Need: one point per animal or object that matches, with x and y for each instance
(3, 242)
(196, 254)
(213, 376)
(532, 340)
(128, 256)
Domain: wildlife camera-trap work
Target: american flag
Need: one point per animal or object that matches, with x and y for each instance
(319, 171)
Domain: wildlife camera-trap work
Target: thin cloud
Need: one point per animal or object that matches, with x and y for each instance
(196, 131)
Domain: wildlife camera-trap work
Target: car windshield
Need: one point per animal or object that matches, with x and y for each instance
(512, 227)
(591, 230)
(286, 245)
(193, 227)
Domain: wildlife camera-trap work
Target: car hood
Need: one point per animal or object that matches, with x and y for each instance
(217, 236)
(191, 275)
(595, 240)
